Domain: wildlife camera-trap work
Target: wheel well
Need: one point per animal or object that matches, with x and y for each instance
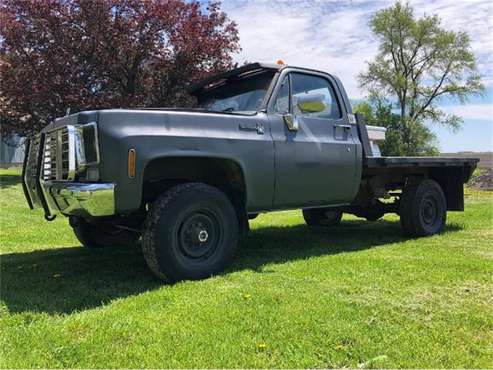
(225, 174)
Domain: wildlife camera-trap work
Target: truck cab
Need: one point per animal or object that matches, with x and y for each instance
(185, 182)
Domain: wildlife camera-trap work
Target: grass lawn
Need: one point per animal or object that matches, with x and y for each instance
(358, 295)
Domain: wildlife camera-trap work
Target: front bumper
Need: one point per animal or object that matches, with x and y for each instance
(75, 199)
(81, 199)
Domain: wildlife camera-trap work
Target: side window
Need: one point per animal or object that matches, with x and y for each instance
(282, 100)
(303, 84)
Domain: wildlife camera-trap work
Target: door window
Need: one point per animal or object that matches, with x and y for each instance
(303, 84)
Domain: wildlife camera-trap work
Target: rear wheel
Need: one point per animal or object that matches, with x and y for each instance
(101, 235)
(423, 208)
(191, 233)
(322, 217)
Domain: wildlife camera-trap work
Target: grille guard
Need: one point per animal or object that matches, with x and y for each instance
(48, 176)
(32, 176)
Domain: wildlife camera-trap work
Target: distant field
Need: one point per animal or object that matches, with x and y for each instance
(360, 295)
(485, 158)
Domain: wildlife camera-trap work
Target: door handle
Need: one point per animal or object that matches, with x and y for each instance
(347, 127)
(250, 126)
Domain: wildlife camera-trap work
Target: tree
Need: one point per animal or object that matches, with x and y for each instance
(379, 112)
(88, 54)
(418, 64)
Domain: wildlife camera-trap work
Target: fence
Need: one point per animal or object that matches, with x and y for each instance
(11, 151)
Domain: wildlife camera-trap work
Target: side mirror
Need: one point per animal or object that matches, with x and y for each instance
(291, 121)
(311, 103)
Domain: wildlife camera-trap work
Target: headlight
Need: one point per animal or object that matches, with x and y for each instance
(86, 145)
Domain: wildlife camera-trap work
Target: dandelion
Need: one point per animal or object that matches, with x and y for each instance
(261, 346)
(247, 296)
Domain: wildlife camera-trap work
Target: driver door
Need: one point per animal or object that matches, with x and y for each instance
(316, 163)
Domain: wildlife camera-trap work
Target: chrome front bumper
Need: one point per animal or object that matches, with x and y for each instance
(80, 199)
(76, 199)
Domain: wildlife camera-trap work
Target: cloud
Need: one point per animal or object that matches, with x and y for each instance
(334, 35)
(306, 34)
(474, 17)
(472, 112)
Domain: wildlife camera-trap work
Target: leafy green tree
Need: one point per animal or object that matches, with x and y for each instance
(417, 65)
(378, 112)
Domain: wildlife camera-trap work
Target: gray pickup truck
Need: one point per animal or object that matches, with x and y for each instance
(186, 181)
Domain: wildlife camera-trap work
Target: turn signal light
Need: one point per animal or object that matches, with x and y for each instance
(280, 62)
(132, 159)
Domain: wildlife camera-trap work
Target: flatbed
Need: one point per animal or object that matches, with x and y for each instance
(391, 162)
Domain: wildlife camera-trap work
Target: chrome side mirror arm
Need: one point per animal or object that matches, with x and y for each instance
(291, 121)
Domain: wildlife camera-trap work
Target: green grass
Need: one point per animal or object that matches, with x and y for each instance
(359, 295)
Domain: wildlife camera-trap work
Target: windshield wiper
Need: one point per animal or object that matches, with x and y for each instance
(227, 110)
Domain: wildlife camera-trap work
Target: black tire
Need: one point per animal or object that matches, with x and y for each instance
(322, 217)
(423, 208)
(191, 232)
(101, 235)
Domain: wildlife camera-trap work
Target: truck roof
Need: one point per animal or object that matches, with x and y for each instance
(242, 71)
(248, 69)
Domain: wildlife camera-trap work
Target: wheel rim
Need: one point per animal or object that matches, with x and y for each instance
(429, 211)
(199, 235)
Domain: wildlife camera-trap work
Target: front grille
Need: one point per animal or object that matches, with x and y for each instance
(59, 155)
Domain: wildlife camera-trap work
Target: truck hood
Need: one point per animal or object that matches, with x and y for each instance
(84, 117)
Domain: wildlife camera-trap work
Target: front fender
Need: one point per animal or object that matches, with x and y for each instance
(156, 135)
(129, 191)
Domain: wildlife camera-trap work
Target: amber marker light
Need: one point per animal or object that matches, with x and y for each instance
(280, 62)
(132, 158)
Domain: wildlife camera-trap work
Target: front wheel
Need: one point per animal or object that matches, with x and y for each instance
(322, 217)
(423, 208)
(191, 233)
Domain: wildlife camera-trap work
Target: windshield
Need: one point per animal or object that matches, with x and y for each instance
(241, 96)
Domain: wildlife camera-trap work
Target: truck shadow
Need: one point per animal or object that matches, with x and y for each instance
(65, 280)
(269, 245)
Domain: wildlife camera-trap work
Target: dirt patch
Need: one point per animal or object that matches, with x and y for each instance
(482, 180)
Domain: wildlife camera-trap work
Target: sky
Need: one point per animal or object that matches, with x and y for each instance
(334, 36)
